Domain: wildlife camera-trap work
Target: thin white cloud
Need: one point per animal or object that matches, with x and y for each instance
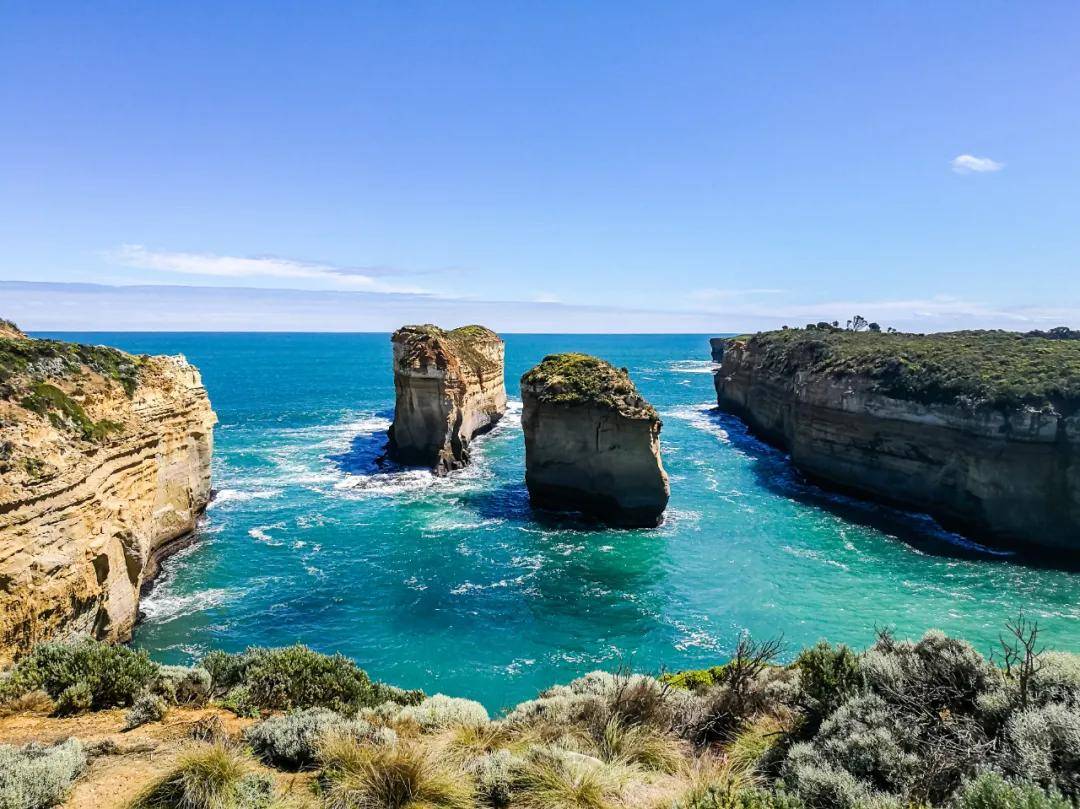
(546, 297)
(209, 264)
(732, 294)
(968, 164)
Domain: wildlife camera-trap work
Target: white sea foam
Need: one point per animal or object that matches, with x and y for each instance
(224, 496)
(260, 534)
(162, 606)
(700, 417)
(692, 366)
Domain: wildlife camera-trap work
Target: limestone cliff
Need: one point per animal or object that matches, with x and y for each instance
(449, 388)
(979, 429)
(716, 346)
(104, 467)
(592, 443)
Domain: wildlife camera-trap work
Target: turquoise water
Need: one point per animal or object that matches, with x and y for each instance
(454, 585)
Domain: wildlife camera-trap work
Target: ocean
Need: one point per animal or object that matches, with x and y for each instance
(454, 585)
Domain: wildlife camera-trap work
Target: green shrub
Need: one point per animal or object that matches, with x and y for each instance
(439, 712)
(293, 677)
(818, 783)
(1057, 679)
(292, 741)
(85, 674)
(34, 777)
(991, 791)
(397, 696)
(183, 685)
(75, 699)
(694, 679)
(212, 777)
(868, 739)
(147, 708)
(828, 676)
(239, 701)
(1043, 745)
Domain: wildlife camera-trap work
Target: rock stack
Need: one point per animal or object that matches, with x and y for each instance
(449, 388)
(592, 443)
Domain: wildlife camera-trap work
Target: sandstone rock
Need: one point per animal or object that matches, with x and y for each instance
(716, 345)
(10, 330)
(592, 443)
(449, 387)
(105, 468)
(1006, 473)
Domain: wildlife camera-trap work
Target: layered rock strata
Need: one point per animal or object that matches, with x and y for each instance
(104, 468)
(449, 387)
(592, 443)
(979, 429)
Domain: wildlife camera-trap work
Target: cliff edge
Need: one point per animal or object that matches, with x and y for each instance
(979, 429)
(104, 467)
(592, 443)
(449, 387)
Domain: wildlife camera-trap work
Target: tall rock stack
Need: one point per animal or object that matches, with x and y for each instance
(592, 443)
(449, 387)
(104, 469)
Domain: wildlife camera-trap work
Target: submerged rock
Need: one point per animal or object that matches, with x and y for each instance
(592, 443)
(979, 429)
(449, 388)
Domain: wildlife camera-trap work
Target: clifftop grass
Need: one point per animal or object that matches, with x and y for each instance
(581, 379)
(425, 338)
(52, 358)
(969, 368)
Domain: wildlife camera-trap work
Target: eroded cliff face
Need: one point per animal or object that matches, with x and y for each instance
(1007, 474)
(104, 468)
(450, 387)
(592, 444)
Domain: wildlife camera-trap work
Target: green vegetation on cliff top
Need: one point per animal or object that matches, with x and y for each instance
(970, 368)
(52, 358)
(581, 379)
(461, 341)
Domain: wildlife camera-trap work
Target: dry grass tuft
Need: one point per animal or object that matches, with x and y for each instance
(558, 779)
(405, 776)
(215, 776)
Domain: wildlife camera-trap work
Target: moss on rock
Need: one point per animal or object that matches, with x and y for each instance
(582, 379)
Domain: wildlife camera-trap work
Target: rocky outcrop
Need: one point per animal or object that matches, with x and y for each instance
(449, 387)
(104, 468)
(981, 430)
(716, 346)
(592, 443)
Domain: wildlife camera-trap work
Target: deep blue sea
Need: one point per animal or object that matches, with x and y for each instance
(454, 585)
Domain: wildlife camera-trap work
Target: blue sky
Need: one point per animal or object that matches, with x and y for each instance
(558, 166)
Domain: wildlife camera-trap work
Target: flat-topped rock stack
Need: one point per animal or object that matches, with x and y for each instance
(592, 443)
(449, 387)
(104, 469)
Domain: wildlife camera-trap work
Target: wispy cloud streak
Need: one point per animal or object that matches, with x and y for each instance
(368, 279)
